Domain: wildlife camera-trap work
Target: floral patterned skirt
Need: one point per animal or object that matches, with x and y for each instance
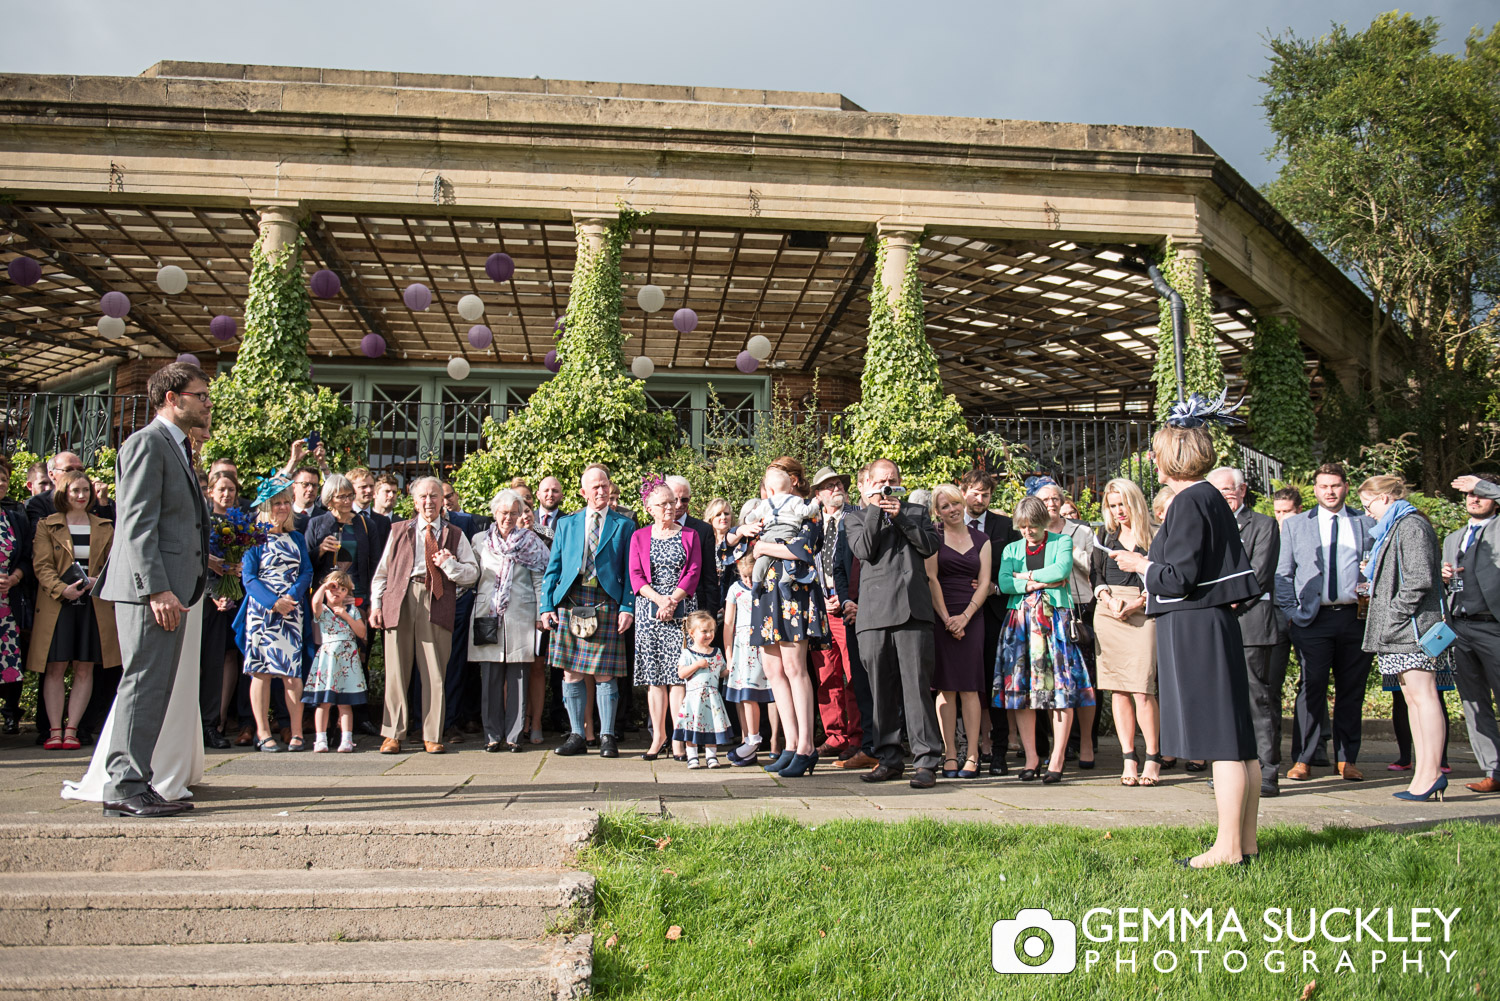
(1037, 667)
(786, 611)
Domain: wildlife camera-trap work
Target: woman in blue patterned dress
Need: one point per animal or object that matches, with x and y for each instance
(1037, 666)
(273, 627)
(789, 618)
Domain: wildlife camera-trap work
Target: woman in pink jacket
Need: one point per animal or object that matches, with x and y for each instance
(664, 568)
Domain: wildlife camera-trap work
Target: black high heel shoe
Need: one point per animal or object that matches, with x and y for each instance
(1052, 778)
(950, 773)
(781, 760)
(800, 765)
(1027, 775)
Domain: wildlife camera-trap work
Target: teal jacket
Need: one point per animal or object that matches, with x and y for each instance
(1059, 564)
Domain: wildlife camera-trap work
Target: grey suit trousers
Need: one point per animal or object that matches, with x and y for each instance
(1477, 676)
(1267, 666)
(900, 662)
(503, 705)
(151, 655)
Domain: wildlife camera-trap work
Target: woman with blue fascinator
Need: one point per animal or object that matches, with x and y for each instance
(1195, 572)
(273, 628)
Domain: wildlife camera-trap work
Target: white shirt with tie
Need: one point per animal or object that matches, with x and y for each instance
(462, 568)
(1348, 554)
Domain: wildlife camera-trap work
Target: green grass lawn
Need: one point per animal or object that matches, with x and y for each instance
(862, 909)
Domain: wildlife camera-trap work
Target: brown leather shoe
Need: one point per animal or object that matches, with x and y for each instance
(390, 745)
(827, 750)
(453, 737)
(859, 761)
(432, 748)
(246, 737)
(1300, 772)
(1348, 771)
(1485, 784)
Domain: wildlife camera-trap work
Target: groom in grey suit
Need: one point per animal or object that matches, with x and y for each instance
(156, 570)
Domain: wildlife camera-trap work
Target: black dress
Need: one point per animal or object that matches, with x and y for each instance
(76, 635)
(1198, 569)
(959, 665)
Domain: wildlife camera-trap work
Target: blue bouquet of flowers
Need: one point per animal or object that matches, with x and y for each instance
(229, 536)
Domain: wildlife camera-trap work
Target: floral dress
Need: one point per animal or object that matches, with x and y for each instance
(10, 633)
(273, 643)
(336, 677)
(703, 719)
(788, 604)
(747, 676)
(658, 643)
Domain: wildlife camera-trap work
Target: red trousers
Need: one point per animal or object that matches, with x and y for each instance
(836, 706)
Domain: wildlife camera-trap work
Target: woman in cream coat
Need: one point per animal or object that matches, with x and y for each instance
(503, 629)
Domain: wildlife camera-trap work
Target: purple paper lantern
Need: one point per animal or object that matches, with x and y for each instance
(116, 304)
(24, 271)
(499, 267)
(223, 326)
(372, 345)
(417, 296)
(552, 362)
(480, 336)
(189, 359)
(685, 320)
(325, 284)
(746, 362)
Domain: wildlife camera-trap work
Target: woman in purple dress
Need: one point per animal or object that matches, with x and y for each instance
(954, 574)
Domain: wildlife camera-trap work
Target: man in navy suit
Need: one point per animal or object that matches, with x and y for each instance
(586, 590)
(1316, 573)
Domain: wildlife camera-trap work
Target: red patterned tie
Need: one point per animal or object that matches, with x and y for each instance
(434, 575)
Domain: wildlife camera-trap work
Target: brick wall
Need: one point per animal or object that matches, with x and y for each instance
(835, 392)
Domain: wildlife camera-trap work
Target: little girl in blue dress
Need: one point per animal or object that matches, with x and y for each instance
(748, 686)
(336, 678)
(703, 720)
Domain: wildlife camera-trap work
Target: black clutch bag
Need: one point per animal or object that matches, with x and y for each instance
(73, 575)
(486, 630)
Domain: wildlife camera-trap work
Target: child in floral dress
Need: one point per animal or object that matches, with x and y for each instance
(748, 686)
(336, 677)
(703, 720)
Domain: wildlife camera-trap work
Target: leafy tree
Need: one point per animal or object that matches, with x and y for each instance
(1281, 410)
(1391, 165)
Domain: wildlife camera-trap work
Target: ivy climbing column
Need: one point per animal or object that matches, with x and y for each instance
(903, 413)
(1282, 421)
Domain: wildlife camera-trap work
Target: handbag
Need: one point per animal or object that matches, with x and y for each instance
(486, 630)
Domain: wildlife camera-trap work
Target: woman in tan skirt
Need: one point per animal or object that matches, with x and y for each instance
(1125, 638)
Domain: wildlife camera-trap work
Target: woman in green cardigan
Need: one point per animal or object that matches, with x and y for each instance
(1038, 667)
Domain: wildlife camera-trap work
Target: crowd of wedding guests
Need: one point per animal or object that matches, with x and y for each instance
(824, 621)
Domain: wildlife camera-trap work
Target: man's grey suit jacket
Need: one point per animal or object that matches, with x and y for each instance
(1299, 572)
(161, 532)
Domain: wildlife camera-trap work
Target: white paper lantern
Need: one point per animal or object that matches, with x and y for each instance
(171, 279)
(650, 298)
(458, 368)
(759, 347)
(111, 327)
(642, 367)
(471, 307)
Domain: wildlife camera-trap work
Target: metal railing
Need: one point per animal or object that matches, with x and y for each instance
(407, 437)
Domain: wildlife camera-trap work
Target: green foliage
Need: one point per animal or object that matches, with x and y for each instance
(593, 410)
(1343, 422)
(102, 468)
(1390, 157)
(903, 414)
(1203, 370)
(1089, 509)
(1280, 405)
(21, 460)
(1010, 463)
(1446, 516)
(266, 402)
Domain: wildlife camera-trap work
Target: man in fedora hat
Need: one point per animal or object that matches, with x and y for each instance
(838, 705)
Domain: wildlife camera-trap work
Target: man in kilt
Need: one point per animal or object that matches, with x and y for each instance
(585, 602)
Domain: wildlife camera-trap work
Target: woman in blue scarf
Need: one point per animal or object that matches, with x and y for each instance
(1406, 600)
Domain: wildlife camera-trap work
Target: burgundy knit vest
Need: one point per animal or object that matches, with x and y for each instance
(398, 575)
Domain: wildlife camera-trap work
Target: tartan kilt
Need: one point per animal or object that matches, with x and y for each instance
(603, 653)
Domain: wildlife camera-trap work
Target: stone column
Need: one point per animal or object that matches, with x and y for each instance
(591, 227)
(899, 241)
(278, 229)
(1190, 251)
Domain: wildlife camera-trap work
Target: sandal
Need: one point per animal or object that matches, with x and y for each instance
(1150, 780)
(1130, 780)
(54, 742)
(70, 739)
(536, 735)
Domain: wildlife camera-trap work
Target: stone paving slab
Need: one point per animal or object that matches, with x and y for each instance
(468, 783)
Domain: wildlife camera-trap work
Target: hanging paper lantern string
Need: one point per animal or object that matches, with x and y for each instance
(746, 362)
(685, 320)
(325, 284)
(471, 307)
(171, 279)
(458, 368)
(111, 327)
(223, 326)
(759, 347)
(372, 345)
(417, 297)
(650, 298)
(188, 359)
(499, 267)
(552, 363)
(480, 336)
(24, 271)
(116, 304)
(642, 367)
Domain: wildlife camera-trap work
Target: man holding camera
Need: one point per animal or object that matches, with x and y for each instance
(891, 539)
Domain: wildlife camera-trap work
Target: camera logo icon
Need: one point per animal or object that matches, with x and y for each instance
(1034, 942)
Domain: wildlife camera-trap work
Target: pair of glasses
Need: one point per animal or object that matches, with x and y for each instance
(202, 397)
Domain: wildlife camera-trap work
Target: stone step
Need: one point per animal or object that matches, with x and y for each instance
(237, 906)
(483, 970)
(126, 845)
